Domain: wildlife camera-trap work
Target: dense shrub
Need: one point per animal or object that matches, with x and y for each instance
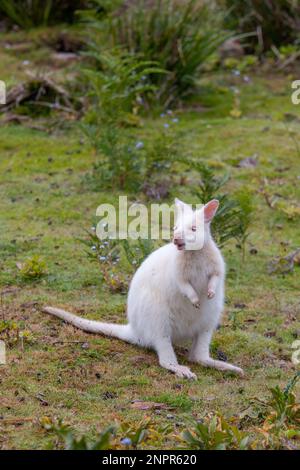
(30, 13)
(179, 36)
(277, 22)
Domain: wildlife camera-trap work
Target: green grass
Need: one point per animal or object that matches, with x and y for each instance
(44, 208)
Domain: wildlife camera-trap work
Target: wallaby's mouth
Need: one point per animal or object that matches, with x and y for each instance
(180, 245)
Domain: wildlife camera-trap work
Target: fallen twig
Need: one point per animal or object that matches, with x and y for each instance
(15, 420)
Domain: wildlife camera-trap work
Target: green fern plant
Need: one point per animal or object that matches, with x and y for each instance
(117, 83)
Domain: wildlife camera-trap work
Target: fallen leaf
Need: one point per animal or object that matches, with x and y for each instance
(249, 162)
(235, 113)
(20, 265)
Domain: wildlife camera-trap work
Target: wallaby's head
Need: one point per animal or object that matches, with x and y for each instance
(192, 227)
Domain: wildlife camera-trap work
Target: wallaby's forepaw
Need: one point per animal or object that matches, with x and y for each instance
(183, 371)
(196, 303)
(210, 293)
(239, 371)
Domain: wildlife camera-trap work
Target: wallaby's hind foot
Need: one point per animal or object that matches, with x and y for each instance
(184, 372)
(220, 365)
(168, 360)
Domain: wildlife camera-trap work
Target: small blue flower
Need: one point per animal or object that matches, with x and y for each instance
(139, 145)
(93, 248)
(102, 258)
(236, 72)
(169, 112)
(175, 120)
(126, 441)
(162, 115)
(235, 90)
(166, 125)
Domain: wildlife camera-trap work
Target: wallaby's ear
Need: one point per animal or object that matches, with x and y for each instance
(210, 210)
(181, 208)
(179, 203)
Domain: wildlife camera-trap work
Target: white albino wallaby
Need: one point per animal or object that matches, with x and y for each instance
(176, 294)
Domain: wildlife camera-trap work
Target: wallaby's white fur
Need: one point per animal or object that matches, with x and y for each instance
(175, 295)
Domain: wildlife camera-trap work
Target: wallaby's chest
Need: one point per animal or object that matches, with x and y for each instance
(198, 272)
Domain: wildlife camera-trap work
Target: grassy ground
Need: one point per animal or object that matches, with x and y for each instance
(89, 381)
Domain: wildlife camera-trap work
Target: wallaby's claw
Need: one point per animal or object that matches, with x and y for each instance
(210, 294)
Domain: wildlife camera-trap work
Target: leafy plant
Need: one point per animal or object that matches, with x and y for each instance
(32, 268)
(107, 254)
(285, 409)
(134, 435)
(215, 433)
(281, 424)
(118, 436)
(179, 36)
(136, 252)
(72, 442)
(9, 330)
(13, 332)
(234, 214)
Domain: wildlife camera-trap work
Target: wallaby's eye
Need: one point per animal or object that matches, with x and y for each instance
(194, 228)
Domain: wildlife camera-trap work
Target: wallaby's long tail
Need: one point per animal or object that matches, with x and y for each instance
(123, 332)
